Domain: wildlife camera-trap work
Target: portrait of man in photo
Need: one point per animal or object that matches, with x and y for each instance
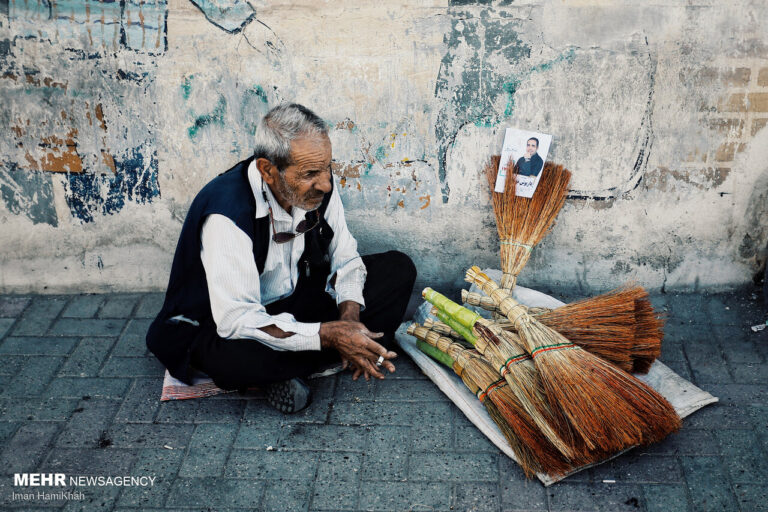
(530, 164)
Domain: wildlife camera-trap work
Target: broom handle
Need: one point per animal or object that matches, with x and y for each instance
(477, 299)
(508, 281)
(441, 327)
(462, 315)
(434, 353)
(508, 306)
(457, 352)
(453, 324)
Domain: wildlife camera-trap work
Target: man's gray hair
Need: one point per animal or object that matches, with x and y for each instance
(279, 127)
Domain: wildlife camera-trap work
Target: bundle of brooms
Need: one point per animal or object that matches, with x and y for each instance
(603, 409)
(635, 407)
(502, 350)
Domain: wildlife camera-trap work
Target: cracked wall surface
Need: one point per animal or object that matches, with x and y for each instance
(117, 113)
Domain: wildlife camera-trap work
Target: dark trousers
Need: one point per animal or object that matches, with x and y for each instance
(237, 364)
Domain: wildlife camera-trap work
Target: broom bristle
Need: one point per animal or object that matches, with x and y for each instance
(523, 379)
(605, 325)
(547, 458)
(649, 333)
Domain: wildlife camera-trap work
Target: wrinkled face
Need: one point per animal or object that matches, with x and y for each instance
(304, 183)
(530, 148)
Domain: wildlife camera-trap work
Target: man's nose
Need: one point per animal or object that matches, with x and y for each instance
(324, 183)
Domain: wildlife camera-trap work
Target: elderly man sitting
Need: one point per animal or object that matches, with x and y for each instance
(267, 285)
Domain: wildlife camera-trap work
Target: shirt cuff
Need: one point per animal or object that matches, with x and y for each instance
(306, 335)
(349, 286)
(353, 292)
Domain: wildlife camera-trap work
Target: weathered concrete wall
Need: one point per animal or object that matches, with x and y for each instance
(115, 113)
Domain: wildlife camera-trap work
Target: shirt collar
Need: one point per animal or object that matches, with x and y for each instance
(262, 208)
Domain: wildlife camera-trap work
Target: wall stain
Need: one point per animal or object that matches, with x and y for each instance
(215, 117)
(666, 180)
(28, 193)
(134, 180)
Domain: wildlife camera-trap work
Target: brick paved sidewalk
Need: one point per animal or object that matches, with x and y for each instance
(80, 396)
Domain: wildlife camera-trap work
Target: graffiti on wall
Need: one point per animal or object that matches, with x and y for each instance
(76, 109)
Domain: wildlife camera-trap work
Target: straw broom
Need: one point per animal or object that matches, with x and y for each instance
(619, 326)
(607, 407)
(605, 325)
(534, 452)
(514, 364)
(522, 222)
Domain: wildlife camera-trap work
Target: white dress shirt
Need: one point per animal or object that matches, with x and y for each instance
(239, 295)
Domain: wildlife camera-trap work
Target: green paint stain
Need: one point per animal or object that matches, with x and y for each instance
(258, 92)
(546, 66)
(215, 117)
(381, 154)
(486, 123)
(186, 86)
(510, 88)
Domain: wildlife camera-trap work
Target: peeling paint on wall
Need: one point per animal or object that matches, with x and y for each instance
(231, 16)
(470, 84)
(80, 114)
(28, 193)
(92, 25)
(134, 179)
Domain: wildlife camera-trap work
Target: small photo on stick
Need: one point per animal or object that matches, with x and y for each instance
(524, 153)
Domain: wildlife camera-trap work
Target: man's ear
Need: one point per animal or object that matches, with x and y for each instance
(267, 170)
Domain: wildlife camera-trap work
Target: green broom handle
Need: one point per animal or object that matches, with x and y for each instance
(464, 316)
(456, 326)
(435, 353)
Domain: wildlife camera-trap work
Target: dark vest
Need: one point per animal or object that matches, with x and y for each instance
(228, 194)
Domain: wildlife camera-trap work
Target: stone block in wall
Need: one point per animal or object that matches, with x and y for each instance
(762, 77)
(731, 77)
(726, 151)
(729, 103)
(758, 102)
(729, 127)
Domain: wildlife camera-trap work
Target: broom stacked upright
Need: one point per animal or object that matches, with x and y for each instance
(522, 222)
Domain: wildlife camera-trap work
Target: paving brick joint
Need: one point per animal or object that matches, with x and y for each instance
(79, 395)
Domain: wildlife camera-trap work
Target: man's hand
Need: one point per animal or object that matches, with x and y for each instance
(356, 346)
